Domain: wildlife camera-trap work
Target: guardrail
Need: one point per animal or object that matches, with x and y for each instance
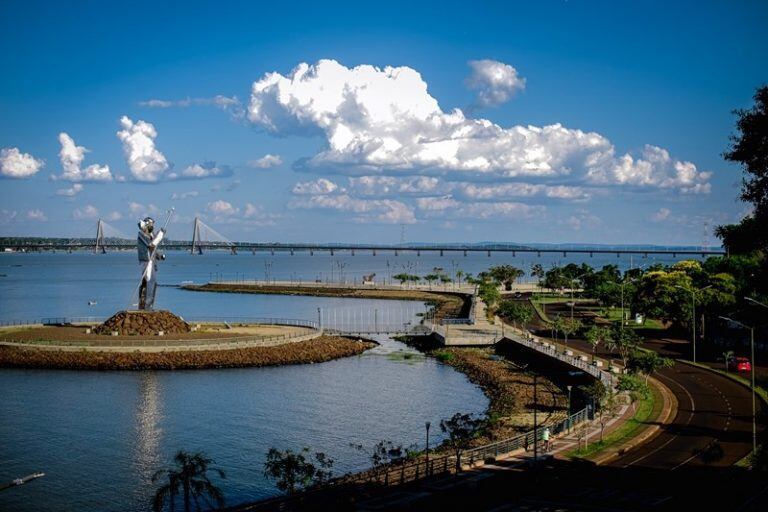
(417, 469)
(550, 350)
(71, 320)
(162, 344)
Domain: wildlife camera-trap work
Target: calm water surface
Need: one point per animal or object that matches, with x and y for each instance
(100, 435)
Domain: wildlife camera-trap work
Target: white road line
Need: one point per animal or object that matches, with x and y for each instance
(693, 409)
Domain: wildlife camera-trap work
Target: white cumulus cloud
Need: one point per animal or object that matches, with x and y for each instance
(86, 212)
(141, 210)
(385, 211)
(15, 164)
(655, 168)
(384, 121)
(661, 215)
(221, 208)
(72, 191)
(36, 215)
(448, 207)
(502, 191)
(205, 170)
(144, 160)
(391, 185)
(219, 101)
(72, 156)
(184, 195)
(266, 162)
(494, 81)
(320, 186)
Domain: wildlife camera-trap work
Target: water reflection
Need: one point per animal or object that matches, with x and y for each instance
(148, 433)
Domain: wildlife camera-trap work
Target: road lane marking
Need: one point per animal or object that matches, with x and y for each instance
(690, 417)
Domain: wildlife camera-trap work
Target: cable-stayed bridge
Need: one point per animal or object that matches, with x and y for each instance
(204, 238)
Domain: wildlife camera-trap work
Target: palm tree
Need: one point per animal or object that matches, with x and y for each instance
(189, 478)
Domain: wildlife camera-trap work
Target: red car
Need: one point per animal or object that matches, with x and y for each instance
(742, 364)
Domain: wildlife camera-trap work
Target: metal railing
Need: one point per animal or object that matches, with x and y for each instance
(524, 440)
(166, 345)
(551, 350)
(242, 320)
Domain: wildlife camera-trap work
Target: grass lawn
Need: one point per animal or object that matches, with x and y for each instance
(647, 410)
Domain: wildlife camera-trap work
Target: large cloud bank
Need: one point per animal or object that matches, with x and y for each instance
(384, 121)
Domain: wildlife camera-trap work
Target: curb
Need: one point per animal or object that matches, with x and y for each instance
(665, 417)
(726, 375)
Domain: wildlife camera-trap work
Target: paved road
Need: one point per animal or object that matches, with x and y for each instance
(713, 425)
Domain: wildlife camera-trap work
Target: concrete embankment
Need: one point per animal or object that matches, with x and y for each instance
(317, 350)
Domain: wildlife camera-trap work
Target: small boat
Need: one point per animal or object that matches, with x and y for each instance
(92, 302)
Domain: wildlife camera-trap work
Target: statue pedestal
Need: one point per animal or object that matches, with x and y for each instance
(143, 323)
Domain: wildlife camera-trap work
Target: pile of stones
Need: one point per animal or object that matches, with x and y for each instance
(143, 323)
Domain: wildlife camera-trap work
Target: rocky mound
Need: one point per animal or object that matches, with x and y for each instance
(145, 323)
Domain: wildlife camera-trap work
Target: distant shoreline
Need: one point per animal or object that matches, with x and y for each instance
(447, 304)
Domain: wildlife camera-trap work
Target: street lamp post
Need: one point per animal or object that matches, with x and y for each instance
(573, 280)
(427, 425)
(692, 291)
(624, 282)
(569, 407)
(752, 366)
(535, 422)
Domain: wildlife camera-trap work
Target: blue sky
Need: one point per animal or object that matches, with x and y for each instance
(593, 122)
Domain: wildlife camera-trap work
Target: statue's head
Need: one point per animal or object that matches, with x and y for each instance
(147, 225)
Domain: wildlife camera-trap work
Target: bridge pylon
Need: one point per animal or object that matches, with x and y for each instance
(196, 242)
(100, 238)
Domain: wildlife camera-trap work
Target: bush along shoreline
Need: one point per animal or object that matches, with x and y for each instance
(317, 350)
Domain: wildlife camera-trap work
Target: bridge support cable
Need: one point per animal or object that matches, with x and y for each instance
(205, 235)
(105, 231)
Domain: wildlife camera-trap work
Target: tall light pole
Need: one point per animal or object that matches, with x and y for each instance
(692, 291)
(623, 282)
(752, 366)
(569, 407)
(573, 280)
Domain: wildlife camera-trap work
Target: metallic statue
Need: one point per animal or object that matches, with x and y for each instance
(147, 244)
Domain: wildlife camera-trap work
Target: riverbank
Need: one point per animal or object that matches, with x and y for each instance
(509, 388)
(317, 350)
(447, 304)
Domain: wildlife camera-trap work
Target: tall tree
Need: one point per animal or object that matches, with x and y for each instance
(506, 275)
(461, 429)
(648, 363)
(749, 147)
(188, 477)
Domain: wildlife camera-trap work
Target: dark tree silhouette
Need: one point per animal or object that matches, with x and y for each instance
(294, 471)
(749, 147)
(189, 478)
(461, 429)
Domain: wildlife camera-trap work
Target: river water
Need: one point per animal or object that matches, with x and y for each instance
(99, 436)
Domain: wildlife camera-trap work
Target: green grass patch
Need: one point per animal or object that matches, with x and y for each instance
(540, 311)
(443, 355)
(647, 410)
